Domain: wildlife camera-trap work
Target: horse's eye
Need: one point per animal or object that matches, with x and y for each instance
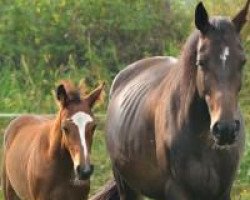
(208, 92)
(201, 63)
(65, 130)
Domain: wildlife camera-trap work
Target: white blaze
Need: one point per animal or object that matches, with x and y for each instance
(224, 56)
(81, 119)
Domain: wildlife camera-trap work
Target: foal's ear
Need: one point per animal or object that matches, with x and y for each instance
(95, 95)
(201, 18)
(61, 95)
(241, 18)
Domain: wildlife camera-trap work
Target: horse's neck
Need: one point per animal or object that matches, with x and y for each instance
(183, 104)
(55, 137)
(198, 116)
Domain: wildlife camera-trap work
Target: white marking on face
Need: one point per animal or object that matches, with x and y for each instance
(81, 119)
(215, 118)
(224, 56)
(76, 160)
(198, 49)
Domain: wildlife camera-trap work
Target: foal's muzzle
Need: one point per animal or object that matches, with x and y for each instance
(85, 172)
(226, 131)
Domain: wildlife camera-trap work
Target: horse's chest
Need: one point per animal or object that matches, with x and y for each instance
(201, 176)
(205, 174)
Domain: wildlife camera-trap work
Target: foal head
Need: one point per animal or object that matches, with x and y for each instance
(77, 126)
(220, 59)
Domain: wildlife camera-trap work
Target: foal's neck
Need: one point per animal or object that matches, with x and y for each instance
(55, 137)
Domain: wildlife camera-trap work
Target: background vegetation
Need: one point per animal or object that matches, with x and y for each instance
(43, 41)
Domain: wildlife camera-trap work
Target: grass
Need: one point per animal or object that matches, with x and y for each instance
(241, 193)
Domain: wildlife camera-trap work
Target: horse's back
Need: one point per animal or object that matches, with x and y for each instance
(132, 88)
(17, 124)
(130, 92)
(145, 65)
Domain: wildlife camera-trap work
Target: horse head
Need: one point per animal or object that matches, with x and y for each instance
(220, 59)
(77, 126)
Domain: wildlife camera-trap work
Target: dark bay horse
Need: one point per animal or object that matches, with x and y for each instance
(174, 127)
(50, 158)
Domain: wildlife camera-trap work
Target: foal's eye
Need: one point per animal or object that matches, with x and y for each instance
(65, 129)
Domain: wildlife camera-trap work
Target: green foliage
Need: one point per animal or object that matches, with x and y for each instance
(99, 35)
(44, 41)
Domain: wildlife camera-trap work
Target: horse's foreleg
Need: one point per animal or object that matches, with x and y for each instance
(125, 192)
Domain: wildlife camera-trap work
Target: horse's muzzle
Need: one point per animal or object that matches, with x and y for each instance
(226, 132)
(85, 172)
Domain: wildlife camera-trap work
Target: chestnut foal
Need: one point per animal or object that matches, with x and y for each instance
(50, 158)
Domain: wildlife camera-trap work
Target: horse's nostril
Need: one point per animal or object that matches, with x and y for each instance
(78, 169)
(88, 170)
(225, 131)
(85, 172)
(217, 129)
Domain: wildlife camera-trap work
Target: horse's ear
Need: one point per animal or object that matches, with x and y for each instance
(241, 18)
(95, 95)
(201, 18)
(61, 95)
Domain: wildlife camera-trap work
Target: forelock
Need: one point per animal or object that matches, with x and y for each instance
(222, 24)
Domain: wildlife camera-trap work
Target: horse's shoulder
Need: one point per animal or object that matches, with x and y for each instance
(19, 122)
(136, 68)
